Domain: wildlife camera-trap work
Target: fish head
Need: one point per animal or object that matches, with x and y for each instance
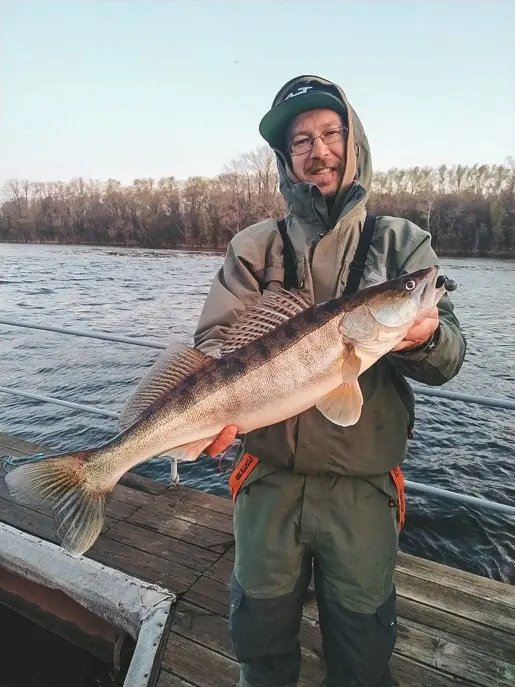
(378, 317)
(400, 301)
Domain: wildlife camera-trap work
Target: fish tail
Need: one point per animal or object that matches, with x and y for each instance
(62, 482)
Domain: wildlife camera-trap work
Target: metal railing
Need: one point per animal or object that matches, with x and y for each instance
(505, 404)
(491, 402)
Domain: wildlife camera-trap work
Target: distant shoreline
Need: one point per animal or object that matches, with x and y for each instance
(221, 251)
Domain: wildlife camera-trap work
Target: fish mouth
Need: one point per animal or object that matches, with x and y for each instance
(428, 294)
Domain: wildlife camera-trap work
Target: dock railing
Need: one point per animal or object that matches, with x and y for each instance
(505, 404)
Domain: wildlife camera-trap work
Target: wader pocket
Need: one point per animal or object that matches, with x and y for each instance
(407, 398)
(386, 613)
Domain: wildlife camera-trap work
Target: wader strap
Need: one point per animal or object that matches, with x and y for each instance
(290, 260)
(357, 266)
(398, 480)
(358, 263)
(241, 472)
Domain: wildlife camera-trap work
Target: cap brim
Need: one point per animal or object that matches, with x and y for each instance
(273, 125)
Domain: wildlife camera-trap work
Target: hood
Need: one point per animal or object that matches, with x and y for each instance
(304, 199)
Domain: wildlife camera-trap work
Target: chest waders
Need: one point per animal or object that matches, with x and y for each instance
(288, 524)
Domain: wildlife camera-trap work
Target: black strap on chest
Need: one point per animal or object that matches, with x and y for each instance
(357, 266)
(360, 256)
(290, 261)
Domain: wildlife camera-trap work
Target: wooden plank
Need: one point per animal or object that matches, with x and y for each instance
(207, 602)
(166, 679)
(458, 580)
(204, 627)
(311, 671)
(178, 528)
(174, 550)
(197, 664)
(177, 578)
(310, 637)
(213, 503)
(310, 609)
(27, 520)
(440, 651)
(221, 570)
(132, 497)
(497, 643)
(118, 510)
(212, 590)
(410, 673)
(455, 601)
(143, 484)
(22, 447)
(183, 509)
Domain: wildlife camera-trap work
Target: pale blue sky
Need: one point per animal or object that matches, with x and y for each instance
(113, 89)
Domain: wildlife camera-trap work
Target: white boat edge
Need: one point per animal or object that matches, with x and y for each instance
(139, 608)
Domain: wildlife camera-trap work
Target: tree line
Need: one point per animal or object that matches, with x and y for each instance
(469, 210)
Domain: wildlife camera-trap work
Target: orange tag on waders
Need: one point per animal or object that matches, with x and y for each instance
(241, 472)
(398, 480)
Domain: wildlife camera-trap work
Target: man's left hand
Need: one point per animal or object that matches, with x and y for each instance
(420, 332)
(222, 441)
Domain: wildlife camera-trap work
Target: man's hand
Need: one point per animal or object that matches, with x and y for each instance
(420, 332)
(222, 441)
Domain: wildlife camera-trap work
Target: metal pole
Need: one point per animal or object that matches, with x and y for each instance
(463, 498)
(466, 398)
(59, 402)
(90, 335)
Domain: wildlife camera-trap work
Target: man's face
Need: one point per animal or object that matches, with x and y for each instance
(322, 164)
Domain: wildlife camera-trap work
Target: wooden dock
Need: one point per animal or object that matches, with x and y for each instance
(454, 628)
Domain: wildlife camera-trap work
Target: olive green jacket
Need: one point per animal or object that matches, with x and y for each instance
(324, 242)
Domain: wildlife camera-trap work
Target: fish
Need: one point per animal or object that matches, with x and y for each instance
(282, 356)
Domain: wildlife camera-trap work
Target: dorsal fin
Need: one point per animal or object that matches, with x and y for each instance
(171, 365)
(271, 310)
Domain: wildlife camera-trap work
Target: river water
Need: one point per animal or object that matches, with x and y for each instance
(159, 294)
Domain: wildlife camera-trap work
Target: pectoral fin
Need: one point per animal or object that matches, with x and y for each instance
(343, 405)
(351, 365)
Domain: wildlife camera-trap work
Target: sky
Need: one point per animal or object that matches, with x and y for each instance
(124, 90)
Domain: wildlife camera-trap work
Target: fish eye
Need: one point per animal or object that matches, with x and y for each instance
(410, 285)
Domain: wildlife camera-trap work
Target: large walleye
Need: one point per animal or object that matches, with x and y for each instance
(281, 357)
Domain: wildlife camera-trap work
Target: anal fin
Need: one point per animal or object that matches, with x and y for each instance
(191, 451)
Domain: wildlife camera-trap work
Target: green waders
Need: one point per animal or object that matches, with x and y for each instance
(346, 527)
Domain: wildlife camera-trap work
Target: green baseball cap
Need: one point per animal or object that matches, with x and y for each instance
(299, 95)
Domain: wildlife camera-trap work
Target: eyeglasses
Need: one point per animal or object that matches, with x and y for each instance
(306, 143)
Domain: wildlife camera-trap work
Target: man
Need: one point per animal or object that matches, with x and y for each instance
(320, 495)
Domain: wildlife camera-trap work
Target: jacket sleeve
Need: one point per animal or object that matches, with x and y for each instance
(233, 289)
(439, 359)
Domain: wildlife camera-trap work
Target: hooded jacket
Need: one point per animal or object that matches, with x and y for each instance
(324, 242)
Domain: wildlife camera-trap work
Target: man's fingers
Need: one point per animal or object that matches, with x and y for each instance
(418, 334)
(222, 441)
